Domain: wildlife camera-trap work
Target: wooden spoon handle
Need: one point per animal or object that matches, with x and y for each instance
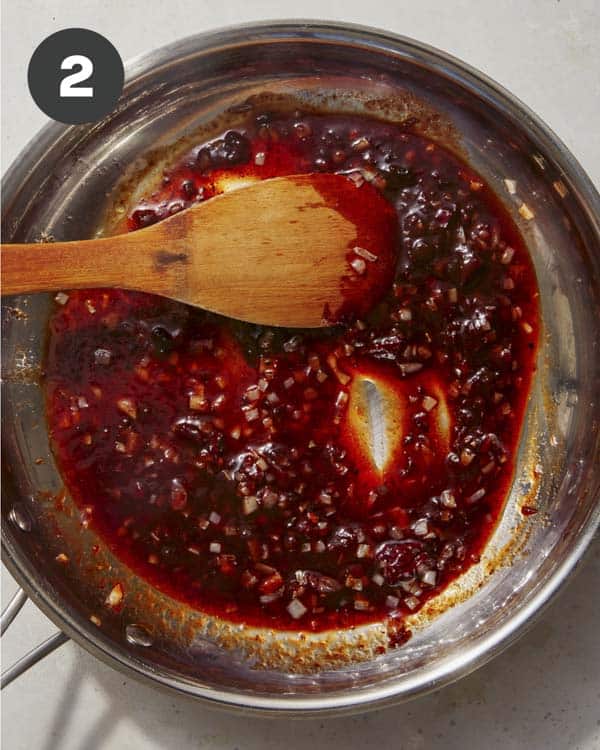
(127, 261)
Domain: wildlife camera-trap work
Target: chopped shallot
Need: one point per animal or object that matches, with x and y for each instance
(364, 253)
(296, 609)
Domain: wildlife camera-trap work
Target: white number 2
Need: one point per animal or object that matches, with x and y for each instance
(68, 86)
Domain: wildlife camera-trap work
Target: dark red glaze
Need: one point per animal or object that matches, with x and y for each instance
(221, 461)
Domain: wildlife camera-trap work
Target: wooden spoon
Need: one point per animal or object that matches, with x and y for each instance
(299, 251)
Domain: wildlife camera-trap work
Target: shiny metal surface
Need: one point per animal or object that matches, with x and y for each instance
(30, 659)
(37, 653)
(61, 186)
(12, 609)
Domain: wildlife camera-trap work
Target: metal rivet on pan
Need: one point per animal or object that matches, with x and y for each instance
(138, 635)
(19, 515)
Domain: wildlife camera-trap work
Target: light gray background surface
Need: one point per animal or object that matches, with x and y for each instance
(544, 692)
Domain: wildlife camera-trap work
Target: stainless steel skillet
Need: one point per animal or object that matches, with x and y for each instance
(64, 185)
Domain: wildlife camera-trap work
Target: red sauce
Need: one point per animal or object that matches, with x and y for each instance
(222, 461)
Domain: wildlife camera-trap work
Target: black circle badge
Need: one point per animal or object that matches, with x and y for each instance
(75, 76)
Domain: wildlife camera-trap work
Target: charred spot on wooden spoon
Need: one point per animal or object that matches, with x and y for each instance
(164, 259)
